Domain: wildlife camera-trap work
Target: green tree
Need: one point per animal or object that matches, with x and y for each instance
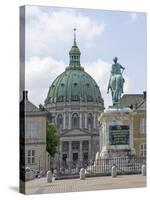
(51, 140)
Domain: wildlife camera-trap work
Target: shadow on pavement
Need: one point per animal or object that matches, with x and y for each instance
(14, 188)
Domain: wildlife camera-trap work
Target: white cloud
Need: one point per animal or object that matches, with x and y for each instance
(100, 71)
(40, 73)
(46, 30)
(127, 85)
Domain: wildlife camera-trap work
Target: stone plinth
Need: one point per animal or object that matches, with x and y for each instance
(116, 133)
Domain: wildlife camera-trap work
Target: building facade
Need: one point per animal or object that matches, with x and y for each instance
(75, 102)
(33, 154)
(137, 102)
(140, 129)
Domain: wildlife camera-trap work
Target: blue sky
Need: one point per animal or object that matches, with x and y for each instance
(101, 35)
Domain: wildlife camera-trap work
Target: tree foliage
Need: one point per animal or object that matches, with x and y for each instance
(51, 140)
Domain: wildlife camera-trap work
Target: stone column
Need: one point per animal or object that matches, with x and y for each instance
(81, 120)
(64, 121)
(89, 149)
(60, 150)
(85, 120)
(69, 124)
(94, 120)
(70, 151)
(131, 132)
(81, 150)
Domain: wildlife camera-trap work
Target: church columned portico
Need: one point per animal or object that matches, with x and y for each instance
(75, 151)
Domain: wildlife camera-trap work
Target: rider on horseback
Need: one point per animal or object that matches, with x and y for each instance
(116, 69)
(116, 80)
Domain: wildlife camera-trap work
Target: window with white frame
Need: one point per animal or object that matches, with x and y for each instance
(75, 120)
(31, 156)
(143, 150)
(32, 128)
(65, 146)
(59, 121)
(143, 125)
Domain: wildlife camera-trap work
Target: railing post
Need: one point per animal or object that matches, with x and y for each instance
(49, 177)
(113, 171)
(143, 170)
(82, 174)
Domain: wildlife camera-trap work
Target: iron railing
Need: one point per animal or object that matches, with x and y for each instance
(102, 167)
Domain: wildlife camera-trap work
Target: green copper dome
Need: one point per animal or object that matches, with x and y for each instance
(74, 84)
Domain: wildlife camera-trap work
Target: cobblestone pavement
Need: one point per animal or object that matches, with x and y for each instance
(40, 186)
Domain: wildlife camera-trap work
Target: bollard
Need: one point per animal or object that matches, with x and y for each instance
(82, 174)
(49, 177)
(143, 170)
(113, 171)
(54, 174)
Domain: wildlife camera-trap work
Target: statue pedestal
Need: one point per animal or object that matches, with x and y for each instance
(116, 134)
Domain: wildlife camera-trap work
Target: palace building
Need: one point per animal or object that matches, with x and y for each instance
(137, 102)
(33, 154)
(75, 102)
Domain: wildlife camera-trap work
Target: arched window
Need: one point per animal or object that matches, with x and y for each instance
(59, 121)
(75, 120)
(90, 120)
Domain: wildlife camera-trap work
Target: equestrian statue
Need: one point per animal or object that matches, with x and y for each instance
(116, 81)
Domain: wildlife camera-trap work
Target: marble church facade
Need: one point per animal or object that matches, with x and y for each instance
(75, 102)
(77, 128)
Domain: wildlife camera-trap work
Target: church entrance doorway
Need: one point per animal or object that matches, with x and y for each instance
(75, 158)
(65, 159)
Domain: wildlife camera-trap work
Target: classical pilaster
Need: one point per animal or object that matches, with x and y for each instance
(81, 151)
(70, 151)
(60, 150)
(81, 120)
(64, 121)
(131, 132)
(89, 149)
(94, 121)
(85, 120)
(69, 124)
